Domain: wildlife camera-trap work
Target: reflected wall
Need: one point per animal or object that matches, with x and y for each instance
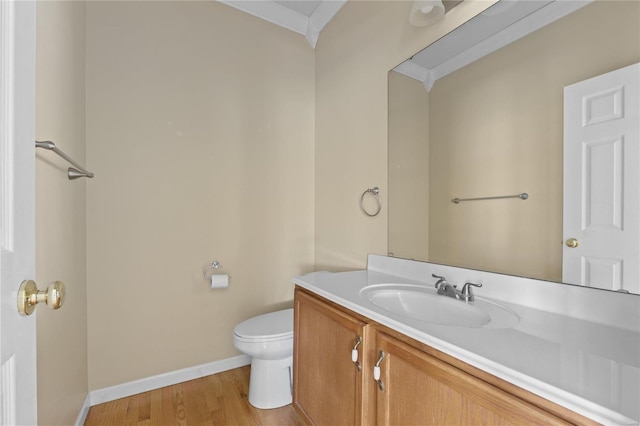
(495, 128)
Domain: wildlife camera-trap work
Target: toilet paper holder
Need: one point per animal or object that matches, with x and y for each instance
(214, 266)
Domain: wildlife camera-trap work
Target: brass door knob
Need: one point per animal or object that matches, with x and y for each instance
(572, 242)
(29, 296)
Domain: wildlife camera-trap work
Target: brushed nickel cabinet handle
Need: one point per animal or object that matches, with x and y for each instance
(376, 371)
(354, 353)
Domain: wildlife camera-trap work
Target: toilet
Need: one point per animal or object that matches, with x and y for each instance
(268, 340)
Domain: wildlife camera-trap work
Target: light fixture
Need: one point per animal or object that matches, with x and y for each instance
(425, 12)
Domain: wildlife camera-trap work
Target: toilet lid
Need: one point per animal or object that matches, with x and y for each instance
(277, 324)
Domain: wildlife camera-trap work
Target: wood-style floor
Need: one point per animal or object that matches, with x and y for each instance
(220, 399)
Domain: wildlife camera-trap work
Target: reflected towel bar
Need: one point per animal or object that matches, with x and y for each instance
(522, 196)
(75, 172)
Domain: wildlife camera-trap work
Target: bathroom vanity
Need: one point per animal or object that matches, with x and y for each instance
(362, 358)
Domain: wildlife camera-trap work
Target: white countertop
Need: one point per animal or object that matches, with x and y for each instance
(591, 368)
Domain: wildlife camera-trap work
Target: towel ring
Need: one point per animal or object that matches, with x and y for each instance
(214, 265)
(376, 193)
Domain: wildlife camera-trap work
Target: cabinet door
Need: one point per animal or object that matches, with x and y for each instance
(419, 389)
(327, 386)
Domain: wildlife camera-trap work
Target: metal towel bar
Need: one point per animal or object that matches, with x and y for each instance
(75, 172)
(522, 196)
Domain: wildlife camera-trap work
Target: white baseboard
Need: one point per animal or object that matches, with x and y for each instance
(123, 390)
(84, 410)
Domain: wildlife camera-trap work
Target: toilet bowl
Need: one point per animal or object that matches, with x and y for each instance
(268, 340)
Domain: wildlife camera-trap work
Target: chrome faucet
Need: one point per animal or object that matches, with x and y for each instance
(446, 289)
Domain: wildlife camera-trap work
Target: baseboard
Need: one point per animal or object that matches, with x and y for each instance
(123, 390)
(84, 410)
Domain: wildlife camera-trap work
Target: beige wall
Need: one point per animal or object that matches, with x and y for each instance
(496, 129)
(408, 167)
(200, 126)
(60, 211)
(354, 54)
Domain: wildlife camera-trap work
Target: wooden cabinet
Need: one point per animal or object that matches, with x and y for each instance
(327, 383)
(418, 385)
(419, 389)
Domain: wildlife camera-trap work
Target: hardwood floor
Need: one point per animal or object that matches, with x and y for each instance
(220, 399)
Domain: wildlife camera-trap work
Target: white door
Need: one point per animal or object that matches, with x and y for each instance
(602, 181)
(17, 213)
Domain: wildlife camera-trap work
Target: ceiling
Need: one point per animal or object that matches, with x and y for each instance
(306, 17)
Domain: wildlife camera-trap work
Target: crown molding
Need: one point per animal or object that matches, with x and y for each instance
(413, 70)
(320, 18)
(287, 18)
(271, 12)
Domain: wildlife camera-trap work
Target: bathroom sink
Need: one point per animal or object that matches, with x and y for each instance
(424, 304)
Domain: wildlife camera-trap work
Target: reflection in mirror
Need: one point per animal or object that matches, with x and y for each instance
(476, 116)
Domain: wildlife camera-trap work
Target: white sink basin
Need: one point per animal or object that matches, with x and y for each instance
(424, 304)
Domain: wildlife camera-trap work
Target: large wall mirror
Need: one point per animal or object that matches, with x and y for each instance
(481, 113)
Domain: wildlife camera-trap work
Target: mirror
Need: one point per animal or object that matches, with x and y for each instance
(479, 113)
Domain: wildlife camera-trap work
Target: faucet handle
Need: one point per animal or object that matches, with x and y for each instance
(440, 280)
(467, 294)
